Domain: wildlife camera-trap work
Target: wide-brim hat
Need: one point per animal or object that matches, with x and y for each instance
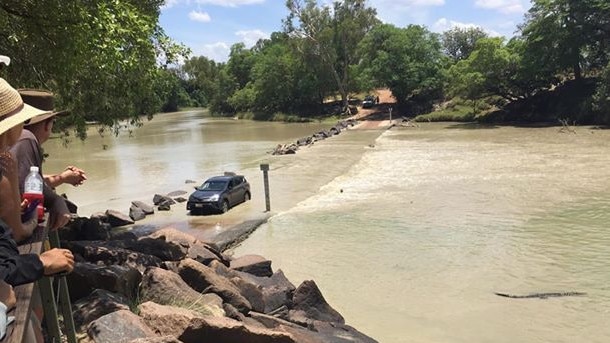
(13, 110)
(43, 100)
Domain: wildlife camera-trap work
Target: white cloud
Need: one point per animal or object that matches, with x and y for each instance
(230, 3)
(169, 4)
(250, 37)
(203, 17)
(404, 12)
(445, 24)
(218, 52)
(503, 6)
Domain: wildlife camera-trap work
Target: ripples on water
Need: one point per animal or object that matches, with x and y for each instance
(414, 240)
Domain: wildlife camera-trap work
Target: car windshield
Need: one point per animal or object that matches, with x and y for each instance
(213, 186)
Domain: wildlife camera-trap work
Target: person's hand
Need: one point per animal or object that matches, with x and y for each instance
(73, 175)
(59, 221)
(56, 261)
(7, 295)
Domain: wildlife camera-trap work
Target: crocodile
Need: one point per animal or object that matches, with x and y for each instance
(541, 295)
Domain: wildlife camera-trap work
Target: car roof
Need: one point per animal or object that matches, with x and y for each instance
(223, 178)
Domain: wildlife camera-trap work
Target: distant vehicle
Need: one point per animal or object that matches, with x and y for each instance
(369, 101)
(219, 194)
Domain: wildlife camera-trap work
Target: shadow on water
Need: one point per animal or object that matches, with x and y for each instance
(524, 125)
(472, 126)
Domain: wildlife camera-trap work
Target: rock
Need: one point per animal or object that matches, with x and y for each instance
(100, 302)
(335, 332)
(227, 330)
(237, 234)
(164, 206)
(276, 291)
(116, 218)
(252, 264)
(158, 199)
(308, 299)
(180, 199)
(118, 279)
(81, 228)
(136, 213)
(172, 245)
(189, 181)
(148, 209)
(176, 194)
(335, 130)
(118, 327)
(251, 292)
(205, 280)
(271, 322)
(163, 339)
(167, 320)
(105, 253)
(156, 283)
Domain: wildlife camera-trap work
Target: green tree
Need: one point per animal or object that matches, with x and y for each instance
(493, 68)
(200, 76)
(101, 58)
(459, 43)
(407, 60)
(332, 34)
(567, 35)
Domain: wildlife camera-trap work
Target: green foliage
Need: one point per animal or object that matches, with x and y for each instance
(409, 61)
(567, 35)
(101, 58)
(459, 43)
(601, 99)
(331, 36)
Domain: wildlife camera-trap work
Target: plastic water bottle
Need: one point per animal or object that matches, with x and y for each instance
(33, 191)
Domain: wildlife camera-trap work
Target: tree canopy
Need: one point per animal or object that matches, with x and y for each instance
(104, 59)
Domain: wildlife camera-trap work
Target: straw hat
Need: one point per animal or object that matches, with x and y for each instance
(40, 99)
(13, 111)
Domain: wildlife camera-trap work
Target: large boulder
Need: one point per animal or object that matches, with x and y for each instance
(159, 199)
(276, 290)
(105, 253)
(227, 330)
(81, 228)
(116, 218)
(146, 208)
(253, 264)
(167, 320)
(117, 279)
(309, 302)
(167, 288)
(136, 213)
(162, 339)
(205, 280)
(118, 327)
(170, 244)
(97, 304)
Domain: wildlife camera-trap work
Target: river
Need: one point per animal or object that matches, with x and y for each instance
(408, 232)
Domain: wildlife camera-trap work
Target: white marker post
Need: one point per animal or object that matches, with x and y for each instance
(265, 169)
(390, 109)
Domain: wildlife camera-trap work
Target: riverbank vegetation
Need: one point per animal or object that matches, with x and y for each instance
(110, 60)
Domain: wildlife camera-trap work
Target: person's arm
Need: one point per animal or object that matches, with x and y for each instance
(10, 211)
(17, 269)
(72, 175)
(59, 214)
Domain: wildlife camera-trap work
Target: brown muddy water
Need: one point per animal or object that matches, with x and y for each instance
(408, 238)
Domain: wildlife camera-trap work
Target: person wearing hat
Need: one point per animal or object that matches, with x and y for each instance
(16, 269)
(28, 149)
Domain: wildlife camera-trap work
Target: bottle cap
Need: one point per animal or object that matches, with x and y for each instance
(34, 169)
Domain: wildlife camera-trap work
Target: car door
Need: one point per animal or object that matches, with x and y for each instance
(237, 193)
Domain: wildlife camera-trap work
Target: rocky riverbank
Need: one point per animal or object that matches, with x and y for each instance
(168, 286)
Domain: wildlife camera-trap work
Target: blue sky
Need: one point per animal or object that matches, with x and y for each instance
(210, 27)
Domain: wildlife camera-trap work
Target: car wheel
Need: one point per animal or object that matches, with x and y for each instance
(246, 196)
(225, 206)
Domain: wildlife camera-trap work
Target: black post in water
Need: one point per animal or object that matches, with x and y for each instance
(265, 169)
